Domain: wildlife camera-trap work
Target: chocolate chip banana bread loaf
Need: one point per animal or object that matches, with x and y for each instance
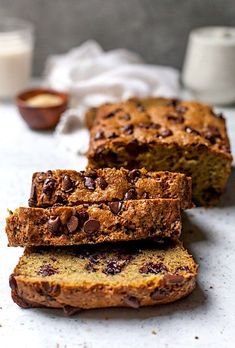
(68, 187)
(73, 278)
(96, 223)
(163, 134)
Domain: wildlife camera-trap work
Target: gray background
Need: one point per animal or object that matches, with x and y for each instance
(157, 29)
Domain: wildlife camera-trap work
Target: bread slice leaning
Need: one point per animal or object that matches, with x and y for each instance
(130, 275)
(96, 223)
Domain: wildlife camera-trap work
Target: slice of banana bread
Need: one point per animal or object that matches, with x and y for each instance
(163, 134)
(128, 276)
(96, 223)
(68, 187)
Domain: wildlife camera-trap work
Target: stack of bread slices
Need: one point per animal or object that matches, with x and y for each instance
(102, 238)
(109, 236)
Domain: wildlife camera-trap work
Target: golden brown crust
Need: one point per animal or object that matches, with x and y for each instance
(88, 224)
(171, 276)
(68, 187)
(100, 297)
(163, 134)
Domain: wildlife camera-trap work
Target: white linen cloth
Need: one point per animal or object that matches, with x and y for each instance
(92, 76)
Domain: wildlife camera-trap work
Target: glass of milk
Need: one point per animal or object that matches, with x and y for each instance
(16, 52)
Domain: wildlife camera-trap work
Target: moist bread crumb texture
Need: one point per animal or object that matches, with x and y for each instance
(163, 135)
(129, 275)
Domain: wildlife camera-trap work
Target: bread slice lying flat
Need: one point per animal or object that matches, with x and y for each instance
(84, 224)
(130, 275)
(69, 187)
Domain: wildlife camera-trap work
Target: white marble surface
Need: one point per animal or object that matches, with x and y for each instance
(209, 313)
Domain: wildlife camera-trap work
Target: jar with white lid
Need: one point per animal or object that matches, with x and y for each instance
(209, 66)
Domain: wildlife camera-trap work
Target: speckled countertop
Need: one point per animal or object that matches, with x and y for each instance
(204, 319)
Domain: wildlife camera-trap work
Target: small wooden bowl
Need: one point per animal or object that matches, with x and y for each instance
(41, 118)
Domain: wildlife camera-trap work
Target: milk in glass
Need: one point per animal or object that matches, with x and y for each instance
(16, 50)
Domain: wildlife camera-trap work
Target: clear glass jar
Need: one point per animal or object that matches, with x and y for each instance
(16, 53)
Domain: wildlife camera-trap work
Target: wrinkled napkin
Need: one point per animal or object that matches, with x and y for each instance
(92, 76)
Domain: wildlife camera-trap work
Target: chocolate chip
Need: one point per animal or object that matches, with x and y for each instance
(225, 148)
(112, 113)
(144, 125)
(128, 228)
(109, 115)
(102, 183)
(158, 294)
(40, 178)
(33, 196)
(130, 194)
(173, 279)
(48, 186)
(72, 224)
(69, 310)
(133, 147)
(131, 301)
(12, 282)
(154, 125)
(164, 134)
(211, 134)
(140, 107)
(133, 175)
(112, 268)
(181, 109)
(182, 268)
(90, 267)
(148, 125)
(151, 267)
(145, 195)
(117, 226)
(89, 183)
(111, 135)
(219, 115)
(115, 207)
(95, 258)
(54, 224)
(92, 173)
(67, 184)
(191, 130)
(128, 129)
(99, 135)
(47, 270)
(175, 119)
(91, 226)
(51, 289)
(82, 217)
(173, 102)
(59, 201)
